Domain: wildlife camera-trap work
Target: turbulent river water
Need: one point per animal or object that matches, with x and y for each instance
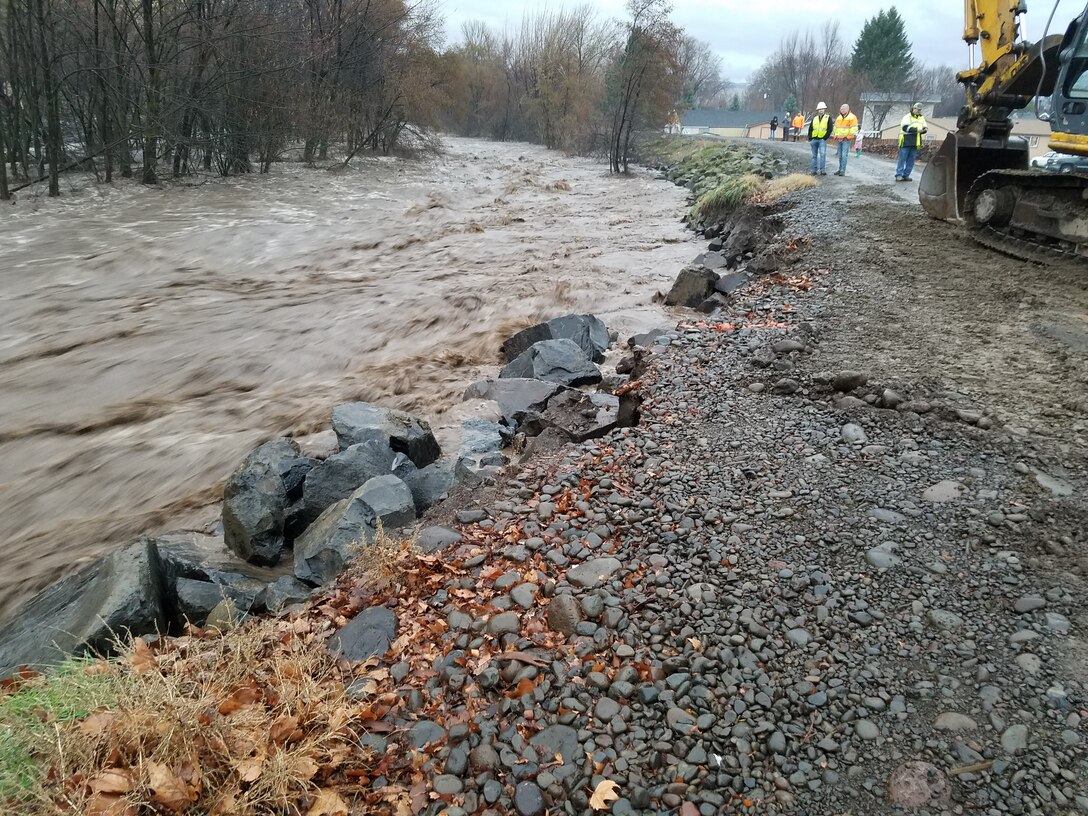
(150, 338)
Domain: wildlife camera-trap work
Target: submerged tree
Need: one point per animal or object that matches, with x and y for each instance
(209, 84)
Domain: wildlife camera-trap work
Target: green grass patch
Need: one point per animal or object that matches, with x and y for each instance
(729, 195)
(30, 715)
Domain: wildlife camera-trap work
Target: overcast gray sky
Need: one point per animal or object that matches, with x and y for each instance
(744, 32)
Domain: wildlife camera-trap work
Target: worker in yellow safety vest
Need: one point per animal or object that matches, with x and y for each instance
(846, 128)
(819, 129)
(910, 139)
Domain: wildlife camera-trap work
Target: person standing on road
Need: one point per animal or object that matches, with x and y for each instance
(819, 129)
(798, 123)
(846, 128)
(774, 127)
(787, 124)
(910, 139)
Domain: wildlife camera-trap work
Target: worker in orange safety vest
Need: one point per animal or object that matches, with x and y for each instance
(846, 128)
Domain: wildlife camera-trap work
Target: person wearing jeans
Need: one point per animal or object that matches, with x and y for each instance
(910, 139)
(819, 129)
(846, 128)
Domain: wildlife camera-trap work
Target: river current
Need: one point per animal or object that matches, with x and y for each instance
(151, 337)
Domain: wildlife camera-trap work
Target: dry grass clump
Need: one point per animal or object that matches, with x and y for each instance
(381, 564)
(249, 721)
(783, 185)
(561, 186)
(253, 720)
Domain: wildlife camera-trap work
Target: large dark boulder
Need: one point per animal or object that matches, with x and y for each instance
(480, 454)
(334, 539)
(430, 485)
(195, 600)
(558, 361)
(285, 457)
(202, 557)
(358, 422)
(189, 559)
(284, 591)
(254, 511)
(691, 288)
(116, 596)
(588, 331)
(516, 397)
(390, 499)
(577, 415)
(341, 475)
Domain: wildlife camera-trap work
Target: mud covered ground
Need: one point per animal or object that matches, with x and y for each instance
(918, 300)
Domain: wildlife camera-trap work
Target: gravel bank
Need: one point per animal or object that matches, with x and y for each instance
(804, 584)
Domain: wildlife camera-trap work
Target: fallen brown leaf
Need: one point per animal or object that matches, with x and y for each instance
(142, 658)
(328, 803)
(113, 780)
(282, 729)
(108, 804)
(167, 789)
(606, 792)
(97, 723)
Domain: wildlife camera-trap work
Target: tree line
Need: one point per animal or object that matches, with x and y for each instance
(575, 81)
(149, 88)
(809, 67)
(159, 88)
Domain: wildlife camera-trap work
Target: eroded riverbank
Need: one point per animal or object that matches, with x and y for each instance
(153, 337)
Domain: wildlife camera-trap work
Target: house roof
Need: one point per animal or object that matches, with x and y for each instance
(714, 118)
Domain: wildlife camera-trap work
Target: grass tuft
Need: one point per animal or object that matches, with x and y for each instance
(783, 185)
(731, 194)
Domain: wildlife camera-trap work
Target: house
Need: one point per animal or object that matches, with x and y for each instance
(1034, 130)
(714, 122)
(879, 111)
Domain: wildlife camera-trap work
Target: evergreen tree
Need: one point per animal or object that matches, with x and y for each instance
(792, 105)
(882, 53)
(735, 104)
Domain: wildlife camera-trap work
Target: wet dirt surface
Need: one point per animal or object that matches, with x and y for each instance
(919, 300)
(152, 337)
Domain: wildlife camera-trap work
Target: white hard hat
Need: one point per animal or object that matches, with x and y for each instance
(822, 105)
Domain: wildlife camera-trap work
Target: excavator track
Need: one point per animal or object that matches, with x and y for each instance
(1030, 214)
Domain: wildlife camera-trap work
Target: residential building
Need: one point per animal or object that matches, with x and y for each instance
(714, 122)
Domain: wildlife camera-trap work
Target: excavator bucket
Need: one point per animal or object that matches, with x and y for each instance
(951, 172)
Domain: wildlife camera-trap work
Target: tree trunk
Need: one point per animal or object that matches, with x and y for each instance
(52, 105)
(4, 194)
(151, 118)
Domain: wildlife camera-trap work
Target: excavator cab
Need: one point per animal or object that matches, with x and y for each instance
(1069, 119)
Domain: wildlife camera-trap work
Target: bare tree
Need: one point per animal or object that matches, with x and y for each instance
(701, 70)
(644, 79)
(811, 67)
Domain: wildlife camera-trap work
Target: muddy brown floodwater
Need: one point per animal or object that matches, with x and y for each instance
(150, 338)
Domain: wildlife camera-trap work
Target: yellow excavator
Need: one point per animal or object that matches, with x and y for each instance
(981, 175)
